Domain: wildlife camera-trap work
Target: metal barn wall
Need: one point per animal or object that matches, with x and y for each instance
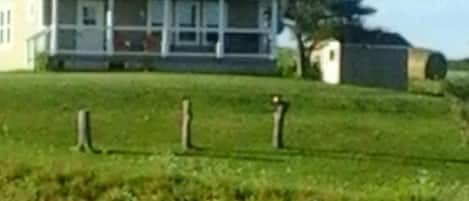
(375, 66)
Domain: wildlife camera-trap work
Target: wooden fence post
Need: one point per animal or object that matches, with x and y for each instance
(84, 140)
(280, 109)
(186, 125)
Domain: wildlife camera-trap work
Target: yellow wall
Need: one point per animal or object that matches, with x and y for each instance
(24, 24)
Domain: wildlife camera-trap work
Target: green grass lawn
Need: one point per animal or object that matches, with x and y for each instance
(343, 143)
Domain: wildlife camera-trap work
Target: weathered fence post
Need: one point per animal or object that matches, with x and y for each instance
(84, 140)
(186, 125)
(280, 109)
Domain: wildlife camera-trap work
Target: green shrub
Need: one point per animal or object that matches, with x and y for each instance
(43, 63)
(458, 87)
(314, 72)
(286, 63)
(144, 67)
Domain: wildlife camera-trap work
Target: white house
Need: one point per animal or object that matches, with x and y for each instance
(173, 32)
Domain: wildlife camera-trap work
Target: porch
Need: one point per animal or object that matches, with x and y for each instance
(159, 28)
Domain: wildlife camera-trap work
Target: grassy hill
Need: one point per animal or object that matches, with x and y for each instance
(344, 143)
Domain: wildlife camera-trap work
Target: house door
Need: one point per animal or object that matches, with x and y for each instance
(188, 22)
(193, 19)
(90, 16)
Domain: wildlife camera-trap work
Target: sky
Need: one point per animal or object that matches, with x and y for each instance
(436, 24)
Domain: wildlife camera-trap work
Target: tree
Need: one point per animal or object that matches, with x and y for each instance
(351, 12)
(317, 20)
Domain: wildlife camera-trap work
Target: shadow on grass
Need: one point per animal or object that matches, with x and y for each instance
(231, 156)
(279, 156)
(131, 153)
(357, 156)
(198, 152)
(397, 158)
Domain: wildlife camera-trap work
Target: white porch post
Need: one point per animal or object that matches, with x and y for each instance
(166, 26)
(54, 27)
(274, 25)
(110, 27)
(220, 47)
(149, 13)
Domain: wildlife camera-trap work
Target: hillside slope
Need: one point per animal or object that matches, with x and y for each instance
(343, 142)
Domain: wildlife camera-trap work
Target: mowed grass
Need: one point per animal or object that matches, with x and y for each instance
(343, 143)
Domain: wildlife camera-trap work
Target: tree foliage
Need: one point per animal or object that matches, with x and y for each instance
(320, 19)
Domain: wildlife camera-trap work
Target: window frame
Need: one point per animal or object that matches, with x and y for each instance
(157, 14)
(2, 27)
(6, 26)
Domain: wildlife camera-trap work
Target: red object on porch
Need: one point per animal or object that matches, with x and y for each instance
(152, 43)
(120, 44)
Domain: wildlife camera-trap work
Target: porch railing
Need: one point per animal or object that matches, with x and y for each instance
(37, 43)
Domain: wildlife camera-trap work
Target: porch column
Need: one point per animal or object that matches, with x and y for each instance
(166, 26)
(274, 25)
(54, 27)
(220, 47)
(110, 27)
(149, 14)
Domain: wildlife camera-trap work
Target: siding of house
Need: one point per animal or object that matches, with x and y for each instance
(175, 64)
(24, 23)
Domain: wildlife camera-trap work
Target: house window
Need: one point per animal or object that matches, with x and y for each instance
(89, 15)
(5, 26)
(211, 13)
(157, 12)
(46, 12)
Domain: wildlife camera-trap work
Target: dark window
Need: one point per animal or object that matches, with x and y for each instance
(89, 15)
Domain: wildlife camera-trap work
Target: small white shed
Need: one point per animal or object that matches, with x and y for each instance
(328, 58)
